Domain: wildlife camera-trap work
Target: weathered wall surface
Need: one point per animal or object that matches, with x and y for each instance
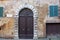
(10, 8)
(6, 27)
(41, 17)
(6, 23)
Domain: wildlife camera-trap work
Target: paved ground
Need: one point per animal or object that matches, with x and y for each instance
(34, 39)
(29, 39)
(16, 39)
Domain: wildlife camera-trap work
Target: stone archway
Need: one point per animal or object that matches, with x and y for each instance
(35, 16)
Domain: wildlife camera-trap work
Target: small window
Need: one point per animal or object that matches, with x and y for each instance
(1, 11)
(53, 10)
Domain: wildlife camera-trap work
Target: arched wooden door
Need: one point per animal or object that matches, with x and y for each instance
(25, 23)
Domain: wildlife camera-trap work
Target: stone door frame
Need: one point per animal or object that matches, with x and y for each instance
(35, 16)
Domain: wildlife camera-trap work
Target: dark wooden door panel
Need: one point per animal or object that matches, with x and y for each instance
(53, 28)
(22, 25)
(57, 28)
(22, 32)
(26, 24)
(30, 25)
